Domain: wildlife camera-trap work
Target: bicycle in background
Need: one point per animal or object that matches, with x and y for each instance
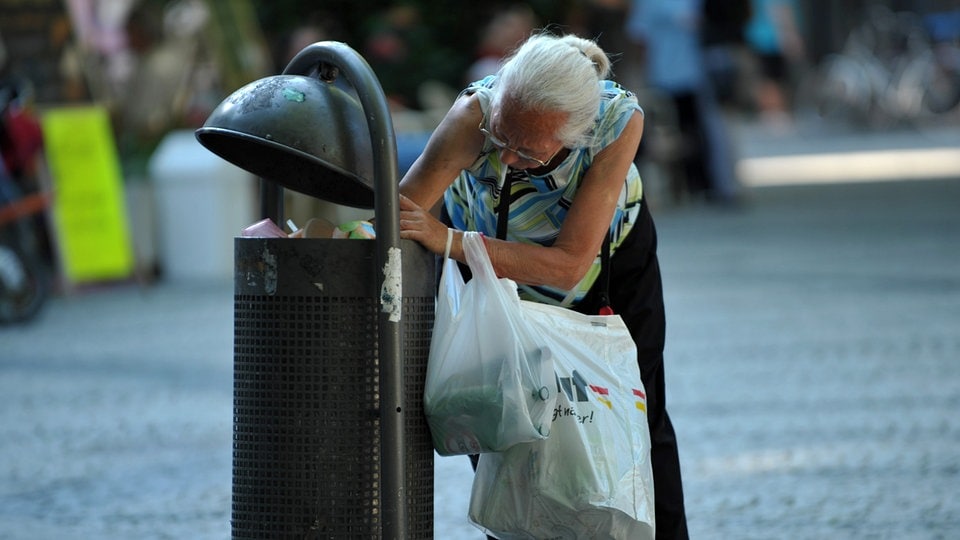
(943, 92)
(24, 270)
(895, 68)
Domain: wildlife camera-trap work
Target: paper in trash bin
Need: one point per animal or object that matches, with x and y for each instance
(265, 228)
(355, 229)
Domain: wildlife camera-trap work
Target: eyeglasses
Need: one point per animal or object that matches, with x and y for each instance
(501, 145)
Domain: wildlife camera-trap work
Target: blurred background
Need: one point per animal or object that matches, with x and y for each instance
(771, 126)
(148, 72)
(156, 69)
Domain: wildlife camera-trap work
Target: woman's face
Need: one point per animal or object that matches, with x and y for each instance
(526, 139)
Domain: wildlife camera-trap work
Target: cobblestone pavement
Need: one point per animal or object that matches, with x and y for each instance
(813, 341)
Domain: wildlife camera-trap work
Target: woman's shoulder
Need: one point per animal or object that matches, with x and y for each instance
(480, 87)
(617, 106)
(611, 92)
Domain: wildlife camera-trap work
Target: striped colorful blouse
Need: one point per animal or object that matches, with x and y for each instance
(539, 204)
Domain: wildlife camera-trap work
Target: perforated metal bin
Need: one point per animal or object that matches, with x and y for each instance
(306, 444)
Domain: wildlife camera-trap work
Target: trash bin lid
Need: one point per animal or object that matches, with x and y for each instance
(303, 133)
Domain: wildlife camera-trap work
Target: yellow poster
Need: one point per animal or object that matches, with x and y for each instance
(89, 210)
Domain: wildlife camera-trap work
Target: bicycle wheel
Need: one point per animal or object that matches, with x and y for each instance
(23, 286)
(941, 80)
(841, 90)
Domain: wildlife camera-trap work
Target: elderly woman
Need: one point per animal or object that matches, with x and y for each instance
(539, 158)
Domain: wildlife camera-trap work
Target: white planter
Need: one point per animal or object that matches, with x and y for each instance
(202, 203)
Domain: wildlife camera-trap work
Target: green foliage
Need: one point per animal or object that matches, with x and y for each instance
(439, 44)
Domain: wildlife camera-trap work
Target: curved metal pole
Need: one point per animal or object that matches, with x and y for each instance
(387, 215)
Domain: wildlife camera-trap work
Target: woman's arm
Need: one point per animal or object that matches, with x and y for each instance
(453, 147)
(562, 265)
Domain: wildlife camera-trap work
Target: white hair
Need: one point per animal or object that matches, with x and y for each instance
(556, 73)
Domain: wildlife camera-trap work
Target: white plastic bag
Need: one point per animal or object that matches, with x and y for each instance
(490, 381)
(592, 477)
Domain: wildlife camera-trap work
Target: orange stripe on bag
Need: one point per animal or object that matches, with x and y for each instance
(601, 392)
(642, 405)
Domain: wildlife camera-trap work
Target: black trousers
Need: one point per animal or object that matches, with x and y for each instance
(636, 294)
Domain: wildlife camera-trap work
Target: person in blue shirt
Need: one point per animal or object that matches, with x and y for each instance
(668, 33)
(774, 37)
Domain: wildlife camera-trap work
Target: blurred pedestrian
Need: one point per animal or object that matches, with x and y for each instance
(775, 38)
(669, 35)
(725, 47)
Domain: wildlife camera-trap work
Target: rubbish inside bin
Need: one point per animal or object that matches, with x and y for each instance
(315, 228)
(265, 228)
(322, 228)
(355, 229)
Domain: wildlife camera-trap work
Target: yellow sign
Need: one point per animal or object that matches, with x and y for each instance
(89, 209)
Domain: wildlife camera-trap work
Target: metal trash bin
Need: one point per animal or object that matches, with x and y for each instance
(330, 440)
(306, 448)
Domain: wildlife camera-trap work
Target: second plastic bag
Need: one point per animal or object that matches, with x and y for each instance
(592, 478)
(490, 377)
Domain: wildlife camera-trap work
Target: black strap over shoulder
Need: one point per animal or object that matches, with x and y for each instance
(503, 207)
(604, 277)
(503, 216)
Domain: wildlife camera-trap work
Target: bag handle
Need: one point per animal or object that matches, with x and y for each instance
(446, 249)
(503, 217)
(477, 257)
(604, 277)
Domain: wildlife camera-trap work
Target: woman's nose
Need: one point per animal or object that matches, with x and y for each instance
(508, 157)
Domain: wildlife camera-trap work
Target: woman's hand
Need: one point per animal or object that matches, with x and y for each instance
(420, 225)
